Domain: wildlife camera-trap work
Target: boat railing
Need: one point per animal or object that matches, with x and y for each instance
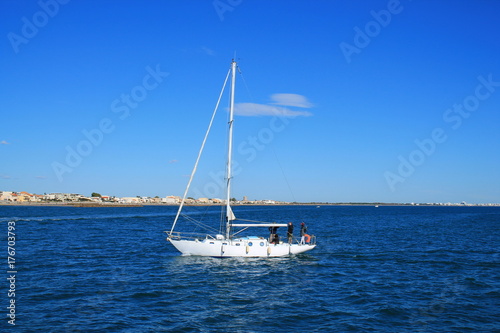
(188, 235)
(312, 240)
(201, 236)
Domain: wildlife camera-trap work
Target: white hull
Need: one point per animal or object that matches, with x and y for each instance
(239, 247)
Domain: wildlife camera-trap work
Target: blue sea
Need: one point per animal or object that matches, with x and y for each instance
(385, 269)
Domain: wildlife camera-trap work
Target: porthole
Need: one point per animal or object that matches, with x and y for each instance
(261, 243)
(250, 243)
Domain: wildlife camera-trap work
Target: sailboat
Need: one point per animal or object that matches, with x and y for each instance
(227, 242)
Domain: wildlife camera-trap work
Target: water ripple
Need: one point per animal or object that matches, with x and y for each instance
(392, 269)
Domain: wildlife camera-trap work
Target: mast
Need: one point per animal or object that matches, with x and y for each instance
(229, 212)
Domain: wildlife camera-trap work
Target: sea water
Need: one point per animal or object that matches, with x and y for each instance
(385, 269)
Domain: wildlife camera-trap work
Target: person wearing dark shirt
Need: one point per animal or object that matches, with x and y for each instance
(290, 232)
(273, 237)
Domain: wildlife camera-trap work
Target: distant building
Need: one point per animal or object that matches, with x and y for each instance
(170, 200)
(156, 200)
(130, 200)
(7, 196)
(65, 197)
(37, 198)
(268, 202)
(24, 197)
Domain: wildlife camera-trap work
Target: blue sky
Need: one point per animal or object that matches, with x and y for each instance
(390, 101)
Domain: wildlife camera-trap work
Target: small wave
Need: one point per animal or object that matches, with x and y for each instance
(88, 217)
(393, 311)
(148, 295)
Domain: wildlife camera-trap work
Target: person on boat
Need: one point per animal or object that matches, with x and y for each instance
(303, 233)
(276, 239)
(273, 237)
(290, 232)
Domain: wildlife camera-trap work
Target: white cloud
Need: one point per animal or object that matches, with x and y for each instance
(3, 142)
(254, 109)
(279, 107)
(291, 100)
(208, 51)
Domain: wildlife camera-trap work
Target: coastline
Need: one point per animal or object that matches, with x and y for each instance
(319, 204)
(67, 204)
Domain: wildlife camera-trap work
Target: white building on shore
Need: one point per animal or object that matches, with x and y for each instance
(171, 200)
(130, 200)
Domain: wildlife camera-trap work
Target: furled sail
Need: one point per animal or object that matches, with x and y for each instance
(230, 214)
